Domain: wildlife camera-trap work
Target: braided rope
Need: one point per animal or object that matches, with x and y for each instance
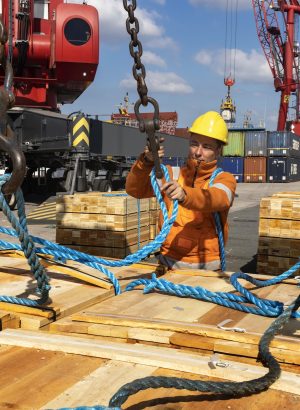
(27, 246)
(62, 253)
(218, 224)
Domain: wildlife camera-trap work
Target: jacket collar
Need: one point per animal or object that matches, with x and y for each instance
(202, 170)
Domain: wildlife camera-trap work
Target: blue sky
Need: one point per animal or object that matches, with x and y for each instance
(183, 53)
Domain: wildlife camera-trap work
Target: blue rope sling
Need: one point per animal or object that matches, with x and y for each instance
(241, 302)
(62, 253)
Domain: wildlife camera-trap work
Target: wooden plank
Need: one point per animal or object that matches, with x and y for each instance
(68, 295)
(29, 378)
(91, 390)
(285, 228)
(105, 222)
(114, 203)
(8, 320)
(145, 355)
(274, 265)
(280, 208)
(96, 237)
(204, 330)
(284, 247)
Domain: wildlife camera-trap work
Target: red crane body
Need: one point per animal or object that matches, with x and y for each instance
(55, 50)
(280, 54)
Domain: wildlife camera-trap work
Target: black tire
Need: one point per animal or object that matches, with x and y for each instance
(105, 186)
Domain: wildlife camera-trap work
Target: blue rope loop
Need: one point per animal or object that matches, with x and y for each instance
(27, 246)
(218, 223)
(63, 253)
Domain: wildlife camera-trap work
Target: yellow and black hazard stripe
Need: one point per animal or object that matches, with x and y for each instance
(81, 131)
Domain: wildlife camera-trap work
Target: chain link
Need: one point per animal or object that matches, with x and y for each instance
(8, 141)
(139, 74)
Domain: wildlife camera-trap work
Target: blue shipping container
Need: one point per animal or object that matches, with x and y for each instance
(283, 143)
(234, 165)
(283, 169)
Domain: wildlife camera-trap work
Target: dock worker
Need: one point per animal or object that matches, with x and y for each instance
(192, 242)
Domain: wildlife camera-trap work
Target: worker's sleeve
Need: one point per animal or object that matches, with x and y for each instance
(138, 183)
(215, 199)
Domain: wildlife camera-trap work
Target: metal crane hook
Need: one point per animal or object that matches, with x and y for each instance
(8, 141)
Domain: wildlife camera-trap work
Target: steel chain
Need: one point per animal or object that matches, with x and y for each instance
(8, 141)
(139, 74)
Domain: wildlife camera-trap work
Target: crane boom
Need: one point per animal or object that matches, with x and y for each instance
(279, 48)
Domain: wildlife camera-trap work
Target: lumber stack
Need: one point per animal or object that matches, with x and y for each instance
(279, 233)
(108, 225)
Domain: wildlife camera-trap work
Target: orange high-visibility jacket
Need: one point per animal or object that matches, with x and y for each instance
(193, 236)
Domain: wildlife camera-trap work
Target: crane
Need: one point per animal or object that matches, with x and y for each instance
(54, 50)
(277, 25)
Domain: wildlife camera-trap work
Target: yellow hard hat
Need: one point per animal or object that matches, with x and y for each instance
(212, 125)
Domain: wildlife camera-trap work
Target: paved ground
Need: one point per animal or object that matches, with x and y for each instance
(243, 222)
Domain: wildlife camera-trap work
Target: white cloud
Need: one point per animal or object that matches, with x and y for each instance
(113, 17)
(221, 4)
(164, 82)
(250, 66)
(152, 58)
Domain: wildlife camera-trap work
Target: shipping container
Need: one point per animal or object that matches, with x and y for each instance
(283, 169)
(283, 143)
(255, 169)
(256, 144)
(234, 165)
(236, 144)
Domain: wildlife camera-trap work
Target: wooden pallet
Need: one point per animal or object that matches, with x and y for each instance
(55, 371)
(72, 288)
(185, 322)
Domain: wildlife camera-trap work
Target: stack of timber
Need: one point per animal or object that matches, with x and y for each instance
(110, 225)
(97, 342)
(279, 233)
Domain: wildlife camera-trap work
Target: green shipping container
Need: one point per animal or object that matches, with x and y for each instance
(236, 144)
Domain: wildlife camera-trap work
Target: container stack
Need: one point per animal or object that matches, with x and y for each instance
(262, 156)
(232, 159)
(279, 233)
(283, 157)
(103, 224)
(255, 164)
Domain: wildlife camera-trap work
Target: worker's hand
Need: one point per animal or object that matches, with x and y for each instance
(148, 153)
(174, 191)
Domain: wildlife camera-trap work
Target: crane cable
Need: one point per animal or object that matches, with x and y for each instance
(230, 39)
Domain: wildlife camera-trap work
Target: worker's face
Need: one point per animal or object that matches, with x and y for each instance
(203, 148)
